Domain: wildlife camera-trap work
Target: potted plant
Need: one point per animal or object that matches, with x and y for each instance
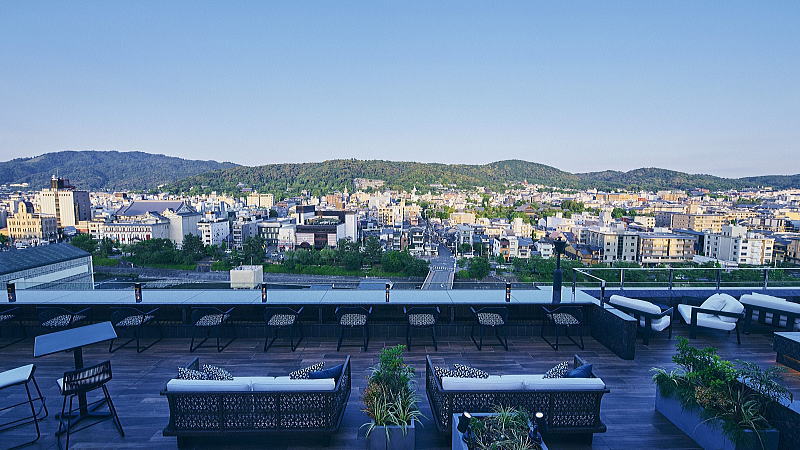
(718, 403)
(390, 401)
(505, 429)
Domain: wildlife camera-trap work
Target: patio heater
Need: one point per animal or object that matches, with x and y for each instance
(558, 276)
(137, 292)
(12, 292)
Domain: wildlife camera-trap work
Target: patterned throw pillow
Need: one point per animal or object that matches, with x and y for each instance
(462, 371)
(191, 374)
(216, 373)
(558, 371)
(302, 374)
(441, 372)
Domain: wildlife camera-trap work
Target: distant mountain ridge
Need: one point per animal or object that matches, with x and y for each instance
(328, 176)
(112, 170)
(104, 170)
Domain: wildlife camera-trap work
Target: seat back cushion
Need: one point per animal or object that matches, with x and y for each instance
(716, 302)
(285, 384)
(639, 305)
(564, 384)
(731, 305)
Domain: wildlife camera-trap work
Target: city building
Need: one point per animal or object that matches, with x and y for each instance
(28, 226)
(181, 218)
(737, 245)
(614, 244)
(47, 266)
(699, 222)
(793, 251)
(214, 231)
(457, 218)
(663, 248)
(261, 200)
(154, 227)
(68, 205)
(320, 232)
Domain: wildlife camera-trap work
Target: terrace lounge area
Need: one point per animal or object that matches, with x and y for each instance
(139, 378)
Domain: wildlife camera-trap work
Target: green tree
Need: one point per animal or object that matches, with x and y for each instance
(4, 240)
(465, 248)
(84, 242)
(372, 250)
(193, 247)
(478, 268)
(254, 249)
(105, 247)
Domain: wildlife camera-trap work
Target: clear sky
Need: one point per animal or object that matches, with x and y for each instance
(711, 86)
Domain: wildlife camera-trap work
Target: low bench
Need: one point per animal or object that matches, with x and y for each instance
(570, 405)
(255, 405)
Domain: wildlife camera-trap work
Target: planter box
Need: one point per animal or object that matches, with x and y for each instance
(709, 434)
(458, 437)
(395, 440)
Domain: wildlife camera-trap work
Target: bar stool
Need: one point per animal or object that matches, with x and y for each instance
(565, 318)
(23, 376)
(206, 320)
(12, 316)
(492, 318)
(421, 317)
(53, 318)
(283, 318)
(350, 317)
(133, 320)
(83, 381)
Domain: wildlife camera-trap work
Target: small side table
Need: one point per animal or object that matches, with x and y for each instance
(787, 348)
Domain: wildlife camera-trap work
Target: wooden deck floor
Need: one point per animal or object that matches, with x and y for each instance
(138, 378)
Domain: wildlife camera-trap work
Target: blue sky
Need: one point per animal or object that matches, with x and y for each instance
(707, 87)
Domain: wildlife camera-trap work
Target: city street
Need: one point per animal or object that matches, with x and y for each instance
(441, 271)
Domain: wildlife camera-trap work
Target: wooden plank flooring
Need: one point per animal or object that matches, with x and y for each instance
(627, 410)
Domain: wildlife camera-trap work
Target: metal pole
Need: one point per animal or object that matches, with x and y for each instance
(719, 278)
(766, 278)
(621, 279)
(12, 292)
(671, 273)
(387, 292)
(602, 293)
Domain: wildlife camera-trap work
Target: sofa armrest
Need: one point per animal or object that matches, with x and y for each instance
(714, 312)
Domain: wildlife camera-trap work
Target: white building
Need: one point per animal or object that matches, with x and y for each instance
(68, 205)
(214, 232)
(545, 249)
(614, 244)
(737, 245)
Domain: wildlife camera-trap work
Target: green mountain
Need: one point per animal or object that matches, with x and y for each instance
(104, 170)
(328, 176)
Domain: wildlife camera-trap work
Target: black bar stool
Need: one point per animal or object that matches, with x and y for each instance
(492, 318)
(563, 318)
(22, 376)
(83, 381)
(350, 317)
(133, 321)
(421, 317)
(206, 320)
(282, 318)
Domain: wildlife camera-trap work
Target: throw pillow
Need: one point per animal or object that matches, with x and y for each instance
(302, 374)
(191, 374)
(441, 372)
(584, 371)
(334, 372)
(216, 373)
(462, 371)
(558, 371)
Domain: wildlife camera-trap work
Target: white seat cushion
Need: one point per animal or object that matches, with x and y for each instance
(768, 301)
(659, 324)
(493, 383)
(639, 305)
(286, 384)
(235, 385)
(704, 320)
(14, 376)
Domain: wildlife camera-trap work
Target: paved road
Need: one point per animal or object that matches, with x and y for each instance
(440, 275)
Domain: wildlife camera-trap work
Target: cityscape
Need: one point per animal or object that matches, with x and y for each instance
(381, 225)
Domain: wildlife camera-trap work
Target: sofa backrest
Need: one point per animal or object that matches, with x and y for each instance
(639, 305)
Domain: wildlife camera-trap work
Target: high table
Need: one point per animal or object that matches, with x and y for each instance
(74, 339)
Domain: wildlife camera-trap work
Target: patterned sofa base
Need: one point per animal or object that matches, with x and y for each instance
(565, 411)
(253, 413)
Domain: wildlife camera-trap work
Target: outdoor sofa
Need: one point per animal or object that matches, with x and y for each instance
(255, 405)
(648, 315)
(765, 309)
(570, 405)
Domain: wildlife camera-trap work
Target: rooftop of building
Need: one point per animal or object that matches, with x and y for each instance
(16, 260)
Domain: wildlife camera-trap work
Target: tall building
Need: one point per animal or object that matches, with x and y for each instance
(793, 251)
(615, 245)
(699, 222)
(27, 225)
(261, 200)
(736, 244)
(214, 231)
(662, 248)
(63, 201)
